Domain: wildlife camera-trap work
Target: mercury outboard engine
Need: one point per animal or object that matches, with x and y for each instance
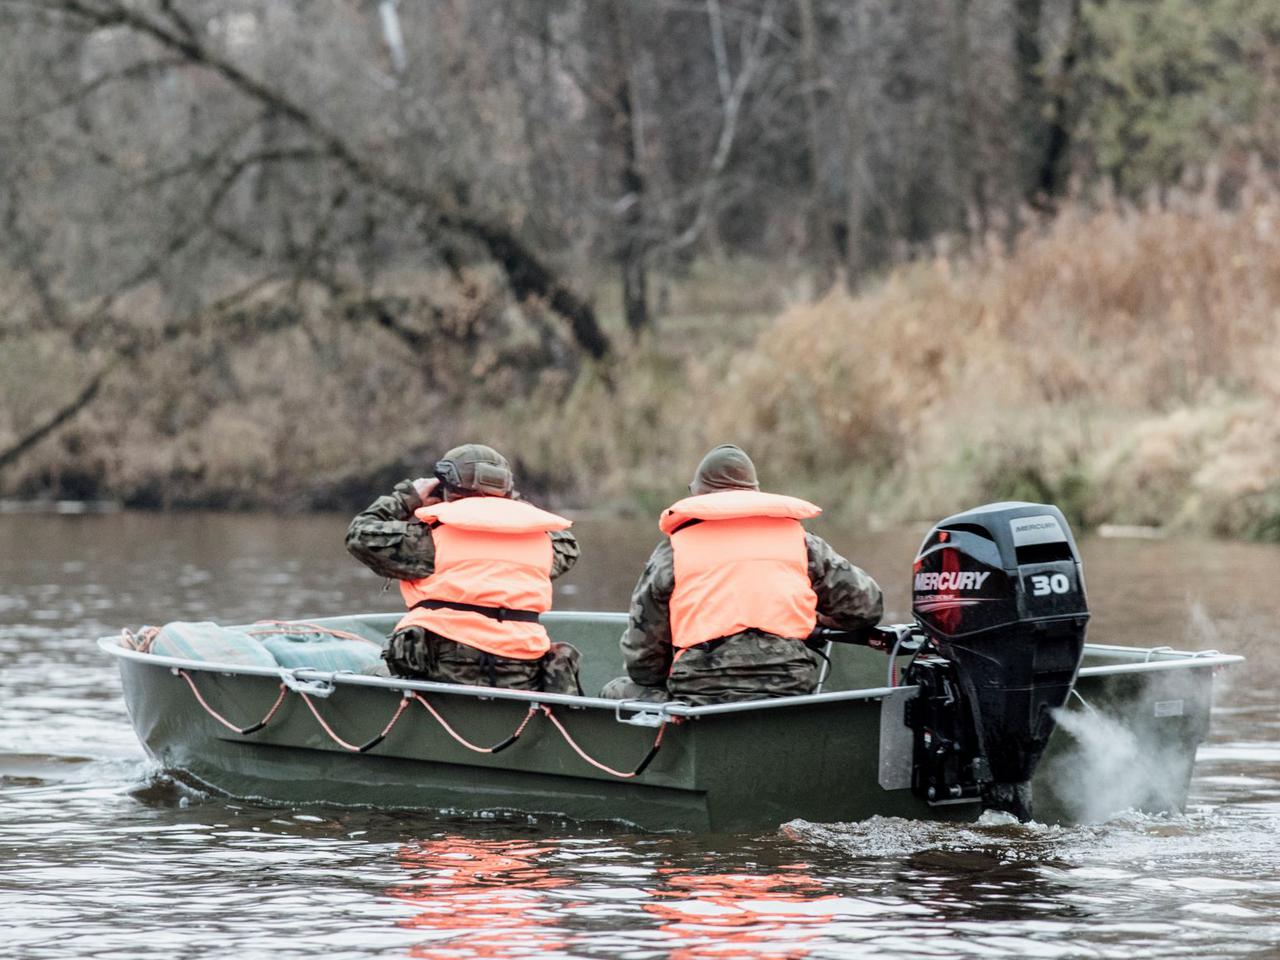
(999, 597)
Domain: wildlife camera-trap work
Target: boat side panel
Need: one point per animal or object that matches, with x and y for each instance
(418, 765)
(283, 774)
(817, 762)
(741, 771)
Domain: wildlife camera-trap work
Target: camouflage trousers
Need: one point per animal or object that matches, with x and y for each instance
(423, 655)
(747, 666)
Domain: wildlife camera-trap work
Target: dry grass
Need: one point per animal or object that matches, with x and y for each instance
(1122, 362)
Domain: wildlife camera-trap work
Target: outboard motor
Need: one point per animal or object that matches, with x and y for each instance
(999, 597)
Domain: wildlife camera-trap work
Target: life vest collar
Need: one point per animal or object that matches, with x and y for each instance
(492, 515)
(734, 505)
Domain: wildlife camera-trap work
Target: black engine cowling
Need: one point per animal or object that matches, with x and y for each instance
(999, 597)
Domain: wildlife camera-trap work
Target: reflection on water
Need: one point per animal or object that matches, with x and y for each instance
(735, 914)
(103, 855)
(481, 898)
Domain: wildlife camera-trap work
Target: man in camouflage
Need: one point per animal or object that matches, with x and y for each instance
(390, 541)
(747, 665)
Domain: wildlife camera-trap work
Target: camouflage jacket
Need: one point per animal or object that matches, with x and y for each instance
(390, 541)
(752, 663)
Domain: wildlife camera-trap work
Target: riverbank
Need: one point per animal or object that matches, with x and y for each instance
(1123, 363)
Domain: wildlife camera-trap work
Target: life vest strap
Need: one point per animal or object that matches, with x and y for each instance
(691, 522)
(501, 614)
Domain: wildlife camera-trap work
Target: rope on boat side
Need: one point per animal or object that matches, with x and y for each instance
(497, 747)
(648, 758)
(243, 731)
(1085, 703)
(365, 747)
(533, 711)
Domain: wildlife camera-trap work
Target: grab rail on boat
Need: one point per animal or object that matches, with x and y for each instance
(644, 713)
(111, 645)
(1191, 661)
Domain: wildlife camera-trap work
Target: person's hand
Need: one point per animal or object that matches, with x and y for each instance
(426, 488)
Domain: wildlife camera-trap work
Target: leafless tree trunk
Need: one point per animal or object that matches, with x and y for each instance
(820, 220)
(624, 123)
(1051, 179)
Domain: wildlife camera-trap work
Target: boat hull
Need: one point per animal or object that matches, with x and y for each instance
(751, 767)
(718, 773)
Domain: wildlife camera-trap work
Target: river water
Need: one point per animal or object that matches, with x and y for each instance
(102, 855)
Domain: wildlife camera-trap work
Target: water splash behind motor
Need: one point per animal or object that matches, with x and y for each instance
(1113, 768)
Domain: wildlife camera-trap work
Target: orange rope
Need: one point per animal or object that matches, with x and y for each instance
(139, 641)
(302, 626)
(223, 720)
(467, 743)
(657, 742)
(404, 702)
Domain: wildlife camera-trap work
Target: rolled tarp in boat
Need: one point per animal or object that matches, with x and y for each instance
(321, 652)
(292, 647)
(203, 640)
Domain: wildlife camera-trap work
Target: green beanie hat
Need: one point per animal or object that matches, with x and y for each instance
(725, 467)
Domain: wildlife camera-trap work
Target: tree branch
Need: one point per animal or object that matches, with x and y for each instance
(728, 133)
(135, 71)
(526, 272)
(81, 400)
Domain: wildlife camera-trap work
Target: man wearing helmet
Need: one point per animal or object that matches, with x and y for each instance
(728, 597)
(475, 564)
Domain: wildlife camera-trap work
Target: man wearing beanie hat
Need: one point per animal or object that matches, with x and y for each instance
(475, 564)
(725, 603)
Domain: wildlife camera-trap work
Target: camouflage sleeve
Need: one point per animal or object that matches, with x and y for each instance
(387, 539)
(848, 599)
(564, 552)
(646, 646)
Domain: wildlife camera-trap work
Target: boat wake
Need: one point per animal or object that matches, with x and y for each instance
(39, 769)
(889, 837)
(882, 837)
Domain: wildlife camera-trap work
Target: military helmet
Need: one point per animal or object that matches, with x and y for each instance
(474, 468)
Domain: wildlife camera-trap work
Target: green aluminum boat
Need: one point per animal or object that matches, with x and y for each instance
(839, 755)
(970, 725)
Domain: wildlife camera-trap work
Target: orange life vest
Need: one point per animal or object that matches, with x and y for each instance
(743, 566)
(492, 576)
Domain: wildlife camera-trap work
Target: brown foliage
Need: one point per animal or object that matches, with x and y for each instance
(1122, 357)
(1121, 361)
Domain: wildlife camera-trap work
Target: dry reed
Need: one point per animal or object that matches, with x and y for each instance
(1121, 361)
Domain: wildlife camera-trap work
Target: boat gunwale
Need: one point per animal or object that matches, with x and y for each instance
(654, 712)
(111, 645)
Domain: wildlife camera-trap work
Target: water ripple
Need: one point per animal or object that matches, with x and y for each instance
(104, 855)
